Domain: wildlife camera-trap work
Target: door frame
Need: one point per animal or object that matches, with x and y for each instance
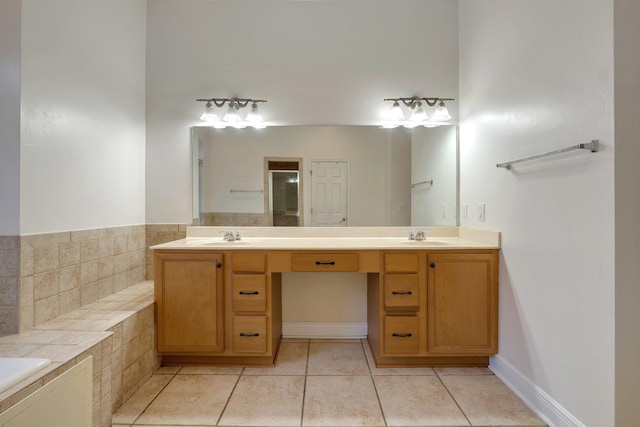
(348, 164)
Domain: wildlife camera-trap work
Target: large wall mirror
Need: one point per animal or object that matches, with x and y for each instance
(325, 176)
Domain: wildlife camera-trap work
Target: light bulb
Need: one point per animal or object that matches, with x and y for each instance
(441, 114)
(418, 113)
(396, 112)
(390, 125)
(232, 115)
(254, 116)
(209, 114)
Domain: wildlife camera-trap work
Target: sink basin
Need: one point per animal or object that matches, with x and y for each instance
(425, 242)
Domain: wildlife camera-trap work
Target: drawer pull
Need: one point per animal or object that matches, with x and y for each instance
(407, 335)
(249, 293)
(401, 293)
(242, 334)
(325, 263)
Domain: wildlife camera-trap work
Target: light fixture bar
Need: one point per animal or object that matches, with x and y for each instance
(242, 102)
(409, 102)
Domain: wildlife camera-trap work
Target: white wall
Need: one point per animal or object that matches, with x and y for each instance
(314, 62)
(10, 117)
(536, 76)
(627, 205)
(82, 110)
(434, 156)
(234, 159)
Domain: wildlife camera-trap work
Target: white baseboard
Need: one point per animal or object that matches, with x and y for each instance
(537, 399)
(324, 329)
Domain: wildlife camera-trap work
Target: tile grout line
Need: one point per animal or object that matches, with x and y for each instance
(229, 398)
(375, 389)
(454, 399)
(304, 388)
(173, 376)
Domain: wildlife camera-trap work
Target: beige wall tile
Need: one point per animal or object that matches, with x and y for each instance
(105, 287)
(69, 278)
(85, 235)
(9, 319)
(69, 300)
(26, 303)
(68, 254)
(45, 258)
(105, 247)
(45, 285)
(9, 266)
(131, 328)
(9, 291)
(9, 242)
(46, 309)
(88, 250)
(88, 293)
(88, 272)
(105, 267)
(26, 258)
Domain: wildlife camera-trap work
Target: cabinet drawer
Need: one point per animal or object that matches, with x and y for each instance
(401, 335)
(401, 263)
(249, 263)
(249, 334)
(249, 292)
(324, 262)
(401, 292)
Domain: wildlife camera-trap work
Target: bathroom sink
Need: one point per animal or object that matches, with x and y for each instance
(425, 242)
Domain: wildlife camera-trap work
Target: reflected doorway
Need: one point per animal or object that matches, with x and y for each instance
(284, 191)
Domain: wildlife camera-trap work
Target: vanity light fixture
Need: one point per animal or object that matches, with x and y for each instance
(232, 117)
(419, 117)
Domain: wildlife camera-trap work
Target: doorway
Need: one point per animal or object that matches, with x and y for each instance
(283, 191)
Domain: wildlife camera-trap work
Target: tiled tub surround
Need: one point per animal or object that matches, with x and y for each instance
(60, 272)
(118, 331)
(157, 234)
(9, 284)
(324, 383)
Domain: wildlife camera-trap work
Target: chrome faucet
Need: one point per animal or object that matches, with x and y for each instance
(420, 235)
(228, 236)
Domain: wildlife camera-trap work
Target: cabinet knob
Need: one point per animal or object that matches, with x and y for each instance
(432, 265)
(218, 265)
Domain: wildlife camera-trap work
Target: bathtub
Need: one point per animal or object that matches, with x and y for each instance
(13, 370)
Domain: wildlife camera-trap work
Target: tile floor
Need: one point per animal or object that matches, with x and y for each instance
(324, 383)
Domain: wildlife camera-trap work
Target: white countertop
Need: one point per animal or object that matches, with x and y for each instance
(324, 243)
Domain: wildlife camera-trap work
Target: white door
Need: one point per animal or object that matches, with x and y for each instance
(329, 190)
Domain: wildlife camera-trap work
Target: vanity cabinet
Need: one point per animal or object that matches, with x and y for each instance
(189, 302)
(435, 307)
(462, 304)
(426, 307)
(216, 307)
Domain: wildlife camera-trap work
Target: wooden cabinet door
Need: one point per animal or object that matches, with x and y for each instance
(189, 302)
(462, 304)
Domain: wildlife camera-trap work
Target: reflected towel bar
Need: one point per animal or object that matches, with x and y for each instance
(415, 184)
(592, 146)
(246, 191)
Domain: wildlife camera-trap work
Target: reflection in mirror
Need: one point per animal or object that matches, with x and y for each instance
(283, 198)
(347, 176)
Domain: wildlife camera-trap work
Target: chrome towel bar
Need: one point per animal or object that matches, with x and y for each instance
(246, 191)
(591, 146)
(415, 184)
